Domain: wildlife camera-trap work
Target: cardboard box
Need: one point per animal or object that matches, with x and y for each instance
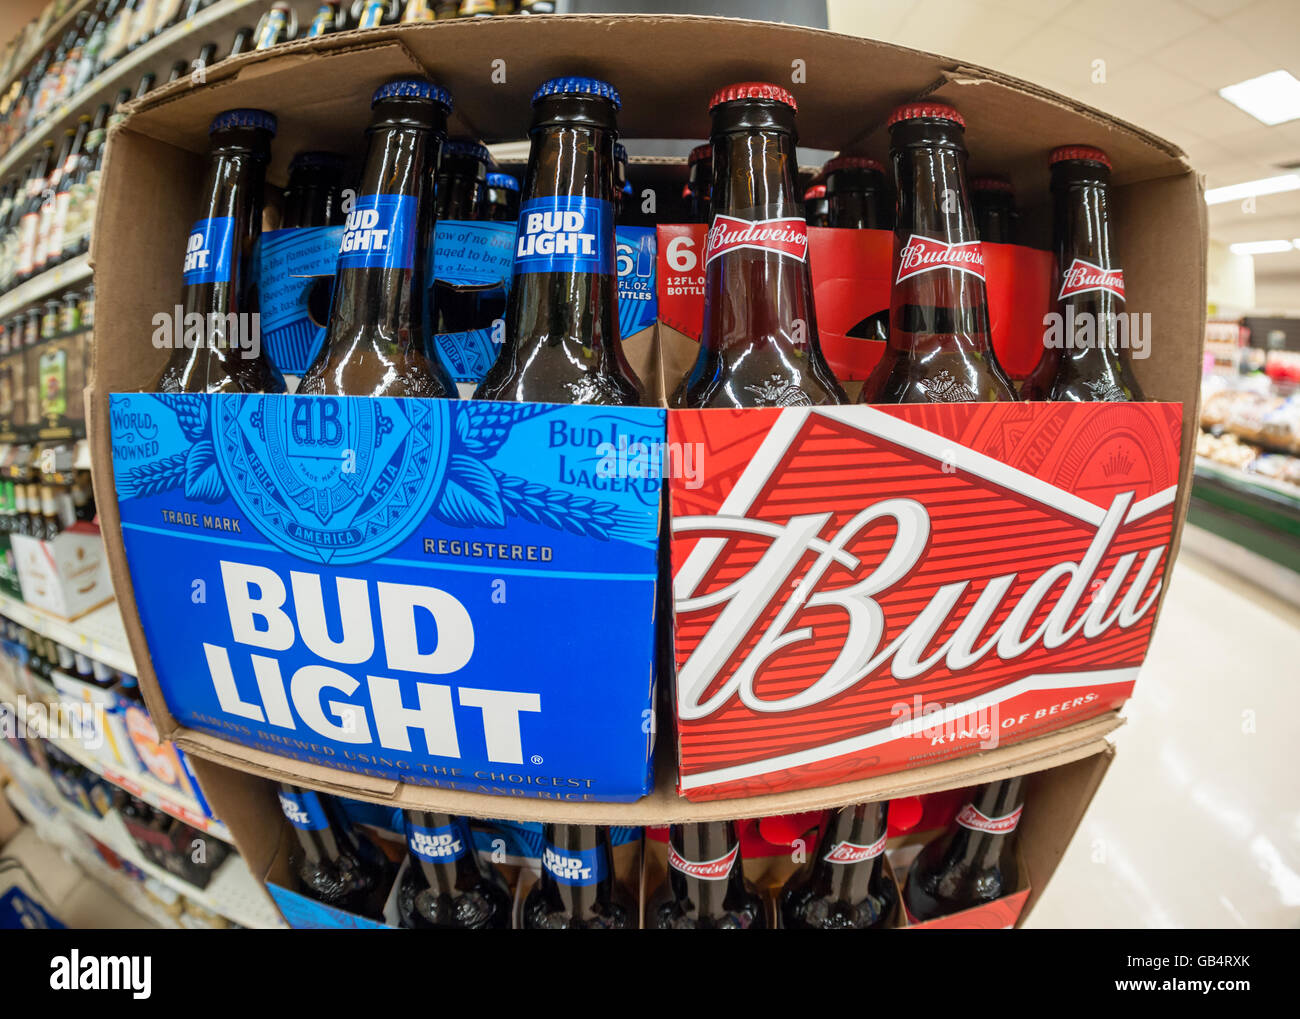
(152, 157)
(65, 576)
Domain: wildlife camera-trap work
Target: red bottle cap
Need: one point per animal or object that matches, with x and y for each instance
(816, 191)
(686, 191)
(913, 111)
(785, 829)
(905, 813)
(704, 151)
(753, 90)
(1078, 152)
(990, 184)
(852, 163)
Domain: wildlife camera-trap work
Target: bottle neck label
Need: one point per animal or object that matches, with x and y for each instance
(209, 251)
(706, 870)
(304, 810)
(379, 233)
(974, 819)
(575, 866)
(565, 233)
(925, 254)
(787, 236)
(437, 845)
(1082, 277)
(844, 853)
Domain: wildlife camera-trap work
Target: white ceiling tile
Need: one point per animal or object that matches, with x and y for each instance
(1271, 26)
(979, 33)
(1217, 8)
(1146, 23)
(1053, 53)
(1211, 116)
(1213, 58)
(872, 19)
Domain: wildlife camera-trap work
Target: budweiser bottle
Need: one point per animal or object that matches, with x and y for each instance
(759, 344)
(576, 889)
(994, 205)
(446, 885)
(1086, 350)
(939, 349)
(974, 861)
(856, 194)
(816, 209)
(706, 887)
(845, 886)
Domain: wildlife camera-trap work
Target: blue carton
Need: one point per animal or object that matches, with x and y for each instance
(446, 593)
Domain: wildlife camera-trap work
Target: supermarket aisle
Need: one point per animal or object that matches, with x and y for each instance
(1198, 822)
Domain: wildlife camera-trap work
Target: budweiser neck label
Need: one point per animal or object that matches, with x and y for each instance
(706, 870)
(925, 254)
(565, 233)
(379, 233)
(304, 810)
(575, 866)
(1082, 277)
(437, 845)
(787, 237)
(209, 252)
(971, 817)
(850, 852)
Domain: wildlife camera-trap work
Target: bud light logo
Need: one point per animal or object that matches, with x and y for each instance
(379, 233)
(843, 853)
(565, 233)
(973, 819)
(575, 866)
(437, 845)
(925, 254)
(1083, 276)
(705, 870)
(209, 252)
(787, 237)
(303, 810)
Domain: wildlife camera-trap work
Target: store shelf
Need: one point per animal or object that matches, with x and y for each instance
(52, 35)
(50, 282)
(98, 634)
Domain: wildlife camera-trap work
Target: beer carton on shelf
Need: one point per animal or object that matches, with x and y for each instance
(67, 575)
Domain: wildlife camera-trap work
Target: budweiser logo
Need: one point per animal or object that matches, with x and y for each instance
(1084, 276)
(971, 818)
(783, 236)
(923, 254)
(851, 852)
(706, 870)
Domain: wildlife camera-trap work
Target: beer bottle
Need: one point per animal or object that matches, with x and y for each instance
(277, 25)
(816, 209)
(845, 886)
(699, 182)
(314, 194)
(562, 342)
(461, 187)
(759, 345)
(330, 17)
(706, 887)
(418, 11)
(377, 340)
(30, 217)
(446, 884)
(502, 204)
(856, 194)
(974, 861)
(218, 282)
(59, 246)
(45, 227)
(333, 863)
(477, 9)
(1091, 362)
(622, 184)
(576, 888)
(994, 206)
(939, 349)
(242, 43)
(370, 13)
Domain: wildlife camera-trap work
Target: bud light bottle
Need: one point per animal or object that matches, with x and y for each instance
(699, 182)
(974, 861)
(1090, 362)
(461, 188)
(446, 885)
(845, 886)
(939, 349)
(576, 889)
(993, 204)
(706, 888)
(816, 209)
(219, 283)
(334, 864)
(562, 342)
(378, 340)
(759, 345)
(502, 203)
(856, 194)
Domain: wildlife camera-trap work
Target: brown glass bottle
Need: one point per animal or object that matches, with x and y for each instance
(377, 341)
(856, 195)
(816, 209)
(993, 204)
(218, 284)
(939, 349)
(759, 345)
(461, 187)
(699, 182)
(845, 886)
(446, 885)
(576, 889)
(706, 887)
(562, 342)
(1084, 359)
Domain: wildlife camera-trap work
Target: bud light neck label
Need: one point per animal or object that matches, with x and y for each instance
(575, 866)
(925, 254)
(436, 845)
(1082, 277)
(304, 810)
(970, 817)
(210, 251)
(565, 233)
(295, 274)
(379, 233)
(788, 237)
(843, 853)
(706, 870)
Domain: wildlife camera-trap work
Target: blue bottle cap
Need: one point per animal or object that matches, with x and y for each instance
(466, 147)
(413, 88)
(578, 87)
(620, 152)
(502, 180)
(243, 118)
(627, 187)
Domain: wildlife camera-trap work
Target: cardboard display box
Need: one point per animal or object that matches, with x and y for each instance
(158, 151)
